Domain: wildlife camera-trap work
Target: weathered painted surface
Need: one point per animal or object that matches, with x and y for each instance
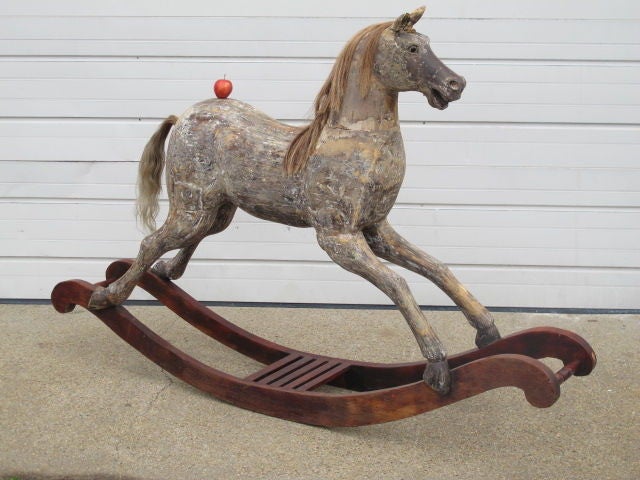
(224, 154)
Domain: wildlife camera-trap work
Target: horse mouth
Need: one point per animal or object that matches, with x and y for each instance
(436, 99)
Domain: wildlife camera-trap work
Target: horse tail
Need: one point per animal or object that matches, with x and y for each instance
(149, 171)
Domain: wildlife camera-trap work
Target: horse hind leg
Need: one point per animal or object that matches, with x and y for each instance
(174, 268)
(181, 229)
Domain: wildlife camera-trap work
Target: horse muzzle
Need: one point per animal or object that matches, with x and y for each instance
(446, 92)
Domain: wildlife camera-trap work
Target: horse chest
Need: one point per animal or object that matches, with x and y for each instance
(352, 183)
(376, 189)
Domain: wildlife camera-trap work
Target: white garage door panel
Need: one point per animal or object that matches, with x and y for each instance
(416, 216)
(164, 48)
(546, 93)
(327, 283)
(469, 236)
(578, 9)
(527, 187)
(63, 79)
(310, 37)
(471, 185)
(329, 31)
(242, 69)
(433, 143)
(622, 114)
(491, 196)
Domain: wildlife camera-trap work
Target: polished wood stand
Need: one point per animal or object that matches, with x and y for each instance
(370, 392)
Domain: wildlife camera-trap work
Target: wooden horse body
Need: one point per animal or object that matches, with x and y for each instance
(339, 175)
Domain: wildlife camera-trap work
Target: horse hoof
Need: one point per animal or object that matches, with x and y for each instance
(487, 336)
(438, 377)
(99, 299)
(161, 269)
(166, 270)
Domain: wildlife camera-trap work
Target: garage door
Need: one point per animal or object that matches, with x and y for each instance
(529, 187)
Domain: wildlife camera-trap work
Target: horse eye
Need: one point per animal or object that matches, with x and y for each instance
(413, 48)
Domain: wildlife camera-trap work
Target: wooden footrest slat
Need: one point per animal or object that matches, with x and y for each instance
(280, 377)
(306, 365)
(268, 371)
(319, 377)
(298, 372)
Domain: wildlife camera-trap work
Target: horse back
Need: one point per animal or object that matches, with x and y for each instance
(227, 150)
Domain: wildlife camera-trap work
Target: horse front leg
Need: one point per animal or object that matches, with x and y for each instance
(388, 244)
(351, 251)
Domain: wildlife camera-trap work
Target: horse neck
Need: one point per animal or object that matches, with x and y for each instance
(377, 111)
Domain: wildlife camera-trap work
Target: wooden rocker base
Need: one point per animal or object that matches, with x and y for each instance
(373, 392)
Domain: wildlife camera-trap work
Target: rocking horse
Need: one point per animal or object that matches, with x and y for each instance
(340, 175)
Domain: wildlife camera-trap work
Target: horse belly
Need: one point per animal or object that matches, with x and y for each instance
(255, 180)
(270, 200)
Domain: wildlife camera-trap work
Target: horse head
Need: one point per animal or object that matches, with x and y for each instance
(405, 62)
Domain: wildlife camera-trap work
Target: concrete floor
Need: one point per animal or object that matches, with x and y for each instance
(77, 402)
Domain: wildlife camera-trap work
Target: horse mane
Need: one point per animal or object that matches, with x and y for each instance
(329, 98)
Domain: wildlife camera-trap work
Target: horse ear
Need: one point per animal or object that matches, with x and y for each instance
(401, 23)
(417, 14)
(407, 20)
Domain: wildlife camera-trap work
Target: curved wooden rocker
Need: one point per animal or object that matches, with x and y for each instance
(374, 392)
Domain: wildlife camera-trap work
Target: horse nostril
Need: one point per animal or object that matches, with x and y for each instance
(454, 85)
